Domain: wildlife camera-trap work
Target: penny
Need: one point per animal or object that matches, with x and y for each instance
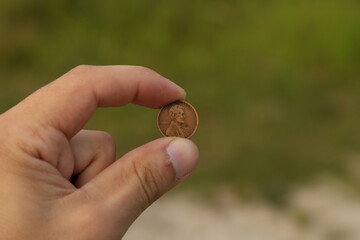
(178, 119)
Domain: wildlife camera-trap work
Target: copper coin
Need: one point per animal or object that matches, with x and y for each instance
(178, 119)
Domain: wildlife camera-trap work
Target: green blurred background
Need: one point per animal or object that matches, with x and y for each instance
(276, 83)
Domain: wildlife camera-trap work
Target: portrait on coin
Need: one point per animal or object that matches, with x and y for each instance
(177, 117)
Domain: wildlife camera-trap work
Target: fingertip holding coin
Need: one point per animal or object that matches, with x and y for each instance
(178, 119)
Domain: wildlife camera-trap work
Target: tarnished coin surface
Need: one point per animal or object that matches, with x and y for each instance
(178, 119)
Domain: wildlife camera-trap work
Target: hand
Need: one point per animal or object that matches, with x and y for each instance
(43, 146)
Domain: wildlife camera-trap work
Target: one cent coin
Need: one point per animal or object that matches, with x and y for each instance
(178, 119)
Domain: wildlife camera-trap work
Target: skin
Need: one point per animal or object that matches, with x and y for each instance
(43, 146)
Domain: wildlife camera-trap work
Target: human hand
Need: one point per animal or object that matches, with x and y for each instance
(43, 146)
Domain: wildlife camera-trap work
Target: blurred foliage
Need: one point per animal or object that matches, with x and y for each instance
(276, 82)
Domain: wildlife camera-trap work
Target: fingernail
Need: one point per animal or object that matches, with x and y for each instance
(180, 90)
(183, 155)
(183, 93)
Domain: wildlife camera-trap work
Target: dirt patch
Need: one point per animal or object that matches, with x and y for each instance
(319, 212)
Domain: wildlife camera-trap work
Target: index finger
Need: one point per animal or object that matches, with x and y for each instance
(69, 102)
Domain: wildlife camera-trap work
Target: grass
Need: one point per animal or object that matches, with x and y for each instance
(276, 83)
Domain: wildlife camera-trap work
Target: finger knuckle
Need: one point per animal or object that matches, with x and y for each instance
(80, 70)
(106, 138)
(145, 70)
(106, 145)
(149, 182)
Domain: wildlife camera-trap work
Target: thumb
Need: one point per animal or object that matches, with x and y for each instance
(127, 187)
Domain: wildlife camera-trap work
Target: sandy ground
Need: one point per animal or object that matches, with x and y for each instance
(323, 211)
